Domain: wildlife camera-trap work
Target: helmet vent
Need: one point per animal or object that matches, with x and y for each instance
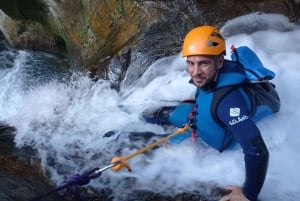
(211, 43)
(217, 35)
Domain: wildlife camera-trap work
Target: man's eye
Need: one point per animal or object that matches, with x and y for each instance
(189, 62)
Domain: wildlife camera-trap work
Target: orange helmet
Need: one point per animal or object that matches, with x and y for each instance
(203, 40)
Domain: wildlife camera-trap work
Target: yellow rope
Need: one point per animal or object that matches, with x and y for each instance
(120, 162)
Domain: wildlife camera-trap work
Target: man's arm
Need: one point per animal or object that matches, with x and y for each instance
(234, 113)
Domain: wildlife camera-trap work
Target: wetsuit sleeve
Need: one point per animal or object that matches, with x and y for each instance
(235, 114)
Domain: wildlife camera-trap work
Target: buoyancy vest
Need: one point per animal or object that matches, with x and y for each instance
(207, 128)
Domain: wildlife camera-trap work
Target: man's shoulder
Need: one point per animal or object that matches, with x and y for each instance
(231, 95)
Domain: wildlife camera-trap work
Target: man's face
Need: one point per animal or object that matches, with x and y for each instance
(202, 69)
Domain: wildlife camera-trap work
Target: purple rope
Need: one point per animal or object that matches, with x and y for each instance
(74, 181)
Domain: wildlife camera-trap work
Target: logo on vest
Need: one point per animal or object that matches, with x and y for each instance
(235, 112)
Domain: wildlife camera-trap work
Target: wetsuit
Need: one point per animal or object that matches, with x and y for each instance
(234, 111)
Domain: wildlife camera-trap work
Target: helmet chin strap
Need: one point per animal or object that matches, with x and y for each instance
(216, 76)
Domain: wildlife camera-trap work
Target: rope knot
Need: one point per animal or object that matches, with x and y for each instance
(119, 163)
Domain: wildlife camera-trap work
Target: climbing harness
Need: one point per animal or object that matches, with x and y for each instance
(192, 123)
(116, 164)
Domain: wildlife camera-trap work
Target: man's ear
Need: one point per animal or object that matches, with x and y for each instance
(220, 61)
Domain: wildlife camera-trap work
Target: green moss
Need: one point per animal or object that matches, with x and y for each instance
(121, 9)
(33, 10)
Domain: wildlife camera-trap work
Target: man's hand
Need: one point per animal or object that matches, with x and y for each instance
(236, 194)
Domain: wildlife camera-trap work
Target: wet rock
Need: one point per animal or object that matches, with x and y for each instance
(210, 194)
(20, 173)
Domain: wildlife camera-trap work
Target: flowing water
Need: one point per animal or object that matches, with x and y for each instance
(66, 117)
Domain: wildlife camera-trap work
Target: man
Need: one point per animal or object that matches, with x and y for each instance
(204, 49)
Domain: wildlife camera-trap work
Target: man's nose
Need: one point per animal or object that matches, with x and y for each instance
(196, 70)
